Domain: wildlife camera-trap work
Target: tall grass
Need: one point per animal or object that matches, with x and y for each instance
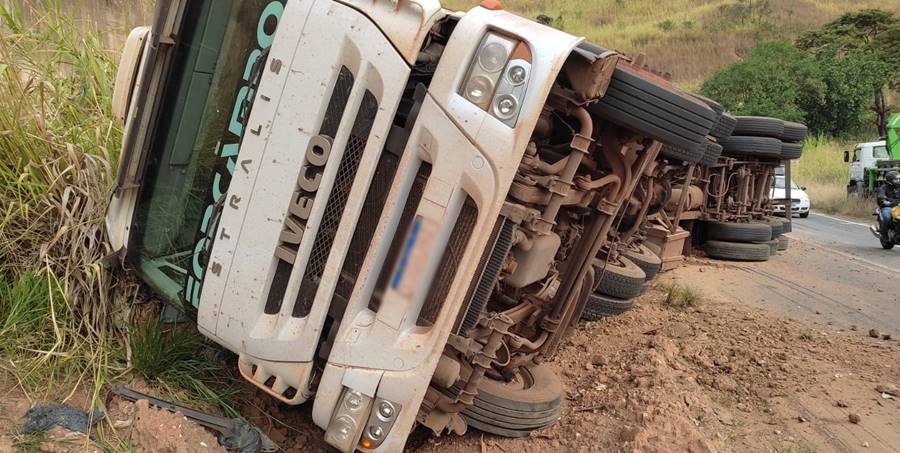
(822, 170)
(65, 321)
(57, 142)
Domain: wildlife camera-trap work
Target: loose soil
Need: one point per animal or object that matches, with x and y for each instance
(720, 376)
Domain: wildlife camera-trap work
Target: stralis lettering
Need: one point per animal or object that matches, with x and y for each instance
(302, 200)
(228, 147)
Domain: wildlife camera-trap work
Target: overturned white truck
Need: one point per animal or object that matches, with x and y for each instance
(388, 208)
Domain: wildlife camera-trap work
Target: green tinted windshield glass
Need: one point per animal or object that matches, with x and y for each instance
(196, 140)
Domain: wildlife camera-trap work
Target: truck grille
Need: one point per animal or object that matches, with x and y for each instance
(340, 95)
(346, 173)
(446, 271)
(367, 224)
(409, 211)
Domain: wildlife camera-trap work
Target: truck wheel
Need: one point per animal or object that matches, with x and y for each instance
(737, 251)
(690, 156)
(793, 132)
(804, 215)
(777, 226)
(738, 232)
(738, 145)
(773, 246)
(791, 151)
(783, 243)
(532, 400)
(724, 127)
(759, 126)
(618, 278)
(663, 113)
(713, 151)
(600, 306)
(645, 259)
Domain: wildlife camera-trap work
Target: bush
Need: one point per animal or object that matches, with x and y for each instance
(774, 79)
(829, 91)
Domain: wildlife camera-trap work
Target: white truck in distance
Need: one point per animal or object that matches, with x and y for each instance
(864, 156)
(387, 208)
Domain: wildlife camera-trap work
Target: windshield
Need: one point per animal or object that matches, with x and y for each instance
(196, 140)
(779, 183)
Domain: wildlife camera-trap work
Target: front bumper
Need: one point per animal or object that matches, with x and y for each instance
(797, 207)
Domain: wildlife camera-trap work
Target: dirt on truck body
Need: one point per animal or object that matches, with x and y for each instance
(400, 212)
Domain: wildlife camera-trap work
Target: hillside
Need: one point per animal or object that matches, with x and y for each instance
(688, 38)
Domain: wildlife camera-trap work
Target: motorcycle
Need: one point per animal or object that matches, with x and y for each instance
(887, 231)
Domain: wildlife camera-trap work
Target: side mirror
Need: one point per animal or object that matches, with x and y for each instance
(846, 156)
(802, 187)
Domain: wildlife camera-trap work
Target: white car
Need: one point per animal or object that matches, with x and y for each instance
(799, 198)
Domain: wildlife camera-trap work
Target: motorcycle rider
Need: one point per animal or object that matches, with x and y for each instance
(888, 197)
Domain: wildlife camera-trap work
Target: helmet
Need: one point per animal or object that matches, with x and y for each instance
(893, 178)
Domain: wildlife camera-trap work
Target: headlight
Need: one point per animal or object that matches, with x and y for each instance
(382, 419)
(357, 421)
(347, 422)
(497, 78)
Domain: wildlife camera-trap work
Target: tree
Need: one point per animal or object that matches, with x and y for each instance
(774, 79)
(870, 32)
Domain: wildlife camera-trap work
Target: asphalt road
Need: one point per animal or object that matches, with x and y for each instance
(834, 273)
(847, 236)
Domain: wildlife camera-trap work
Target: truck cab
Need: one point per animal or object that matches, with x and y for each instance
(389, 209)
(864, 156)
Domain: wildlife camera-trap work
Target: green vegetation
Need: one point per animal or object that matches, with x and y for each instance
(830, 80)
(65, 318)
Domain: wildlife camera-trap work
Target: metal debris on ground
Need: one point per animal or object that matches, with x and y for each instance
(234, 433)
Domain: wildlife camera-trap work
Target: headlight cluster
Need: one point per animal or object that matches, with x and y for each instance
(358, 419)
(497, 77)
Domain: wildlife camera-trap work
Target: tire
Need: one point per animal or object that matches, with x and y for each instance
(773, 246)
(644, 106)
(793, 132)
(715, 106)
(791, 151)
(645, 259)
(738, 145)
(737, 251)
(601, 306)
(759, 126)
(711, 157)
(690, 156)
(804, 215)
(619, 278)
(738, 232)
(724, 127)
(777, 226)
(783, 243)
(531, 402)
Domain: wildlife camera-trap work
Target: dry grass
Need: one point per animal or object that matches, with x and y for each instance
(689, 38)
(57, 140)
(823, 172)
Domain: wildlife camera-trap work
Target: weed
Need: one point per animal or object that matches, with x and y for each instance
(679, 297)
(178, 360)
